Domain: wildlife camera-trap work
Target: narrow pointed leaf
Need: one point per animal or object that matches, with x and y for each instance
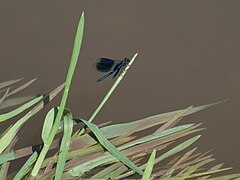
(115, 173)
(216, 167)
(161, 134)
(8, 83)
(68, 127)
(4, 96)
(205, 173)
(4, 170)
(149, 168)
(22, 87)
(180, 161)
(191, 169)
(15, 101)
(177, 149)
(11, 114)
(106, 171)
(227, 177)
(26, 167)
(174, 119)
(73, 62)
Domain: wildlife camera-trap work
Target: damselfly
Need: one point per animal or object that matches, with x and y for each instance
(110, 66)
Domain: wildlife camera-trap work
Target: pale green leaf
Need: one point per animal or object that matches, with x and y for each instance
(66, 140)
(15, 101)
(26, 167)
(6, 116)
(149, 168)
(48, 123)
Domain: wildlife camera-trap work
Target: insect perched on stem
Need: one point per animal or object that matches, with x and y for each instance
(110, 66)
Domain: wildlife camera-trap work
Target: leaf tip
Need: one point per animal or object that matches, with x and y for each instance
(197, 137)
(82, 16)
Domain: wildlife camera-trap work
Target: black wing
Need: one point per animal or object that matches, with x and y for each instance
(105, 64)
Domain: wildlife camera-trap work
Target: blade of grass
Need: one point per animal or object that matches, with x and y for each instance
(179, 161)
(26, 167)
(7, 94)
(7, 157)
(226, 177)
(148, 170)
(68, 127)
(116, 172)
(5, 166)
(140, 151)
(121, 169)
(11, 114)
(8, 83)
(22, 87)
(175, 118)
(98, 147)
(4, 170)
(106, 171)
(204, 173)
(15, 101)
(191, 169)
(177, 149)
(183, 167)
(151, 137)
(50, 165)
(73, 62)
(216, 167)
(157, 142)
(4, 96)
(48, 123)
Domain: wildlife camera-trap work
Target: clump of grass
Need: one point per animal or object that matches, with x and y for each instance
(109, 151)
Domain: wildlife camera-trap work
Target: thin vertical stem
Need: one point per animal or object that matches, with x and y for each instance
(109, 92)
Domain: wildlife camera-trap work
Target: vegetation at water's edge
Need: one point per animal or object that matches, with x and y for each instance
(104, 151)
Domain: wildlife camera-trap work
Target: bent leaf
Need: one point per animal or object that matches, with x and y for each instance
(112, 149)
